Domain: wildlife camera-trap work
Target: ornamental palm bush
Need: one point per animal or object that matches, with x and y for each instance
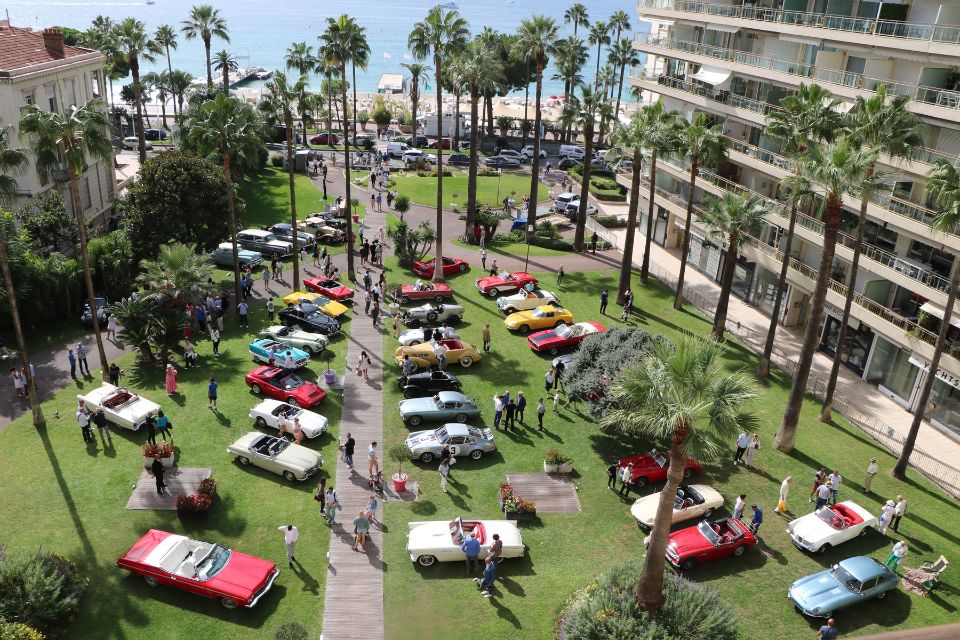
(41, 590)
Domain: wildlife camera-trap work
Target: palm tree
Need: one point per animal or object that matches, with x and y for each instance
(205, 22)
(300, 58)
(705, 146)
(622, 55)
(13, 160)
(578, 17)
(440, 33)
(179, 83)
(417, 71)
(359, 57)
(569, 56)
(732, 219)
(136, 45)
(178, 274)
(62, 142)
(620, 21)
(599, 35)
(889, 128)
(604, 81)
(805, 118)
(944, 188)
(279, 102)
(680, 394)
(166, 37)
(225, 62)
(226, 126)
(838, 170)
(535, 39)
(592, 104)
(161, 82)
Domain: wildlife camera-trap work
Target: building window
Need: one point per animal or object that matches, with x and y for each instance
(95, 84)
(85, 193)
(890, 368)
(944, 405)
(29, 97)
(70, 89)
(52, 98)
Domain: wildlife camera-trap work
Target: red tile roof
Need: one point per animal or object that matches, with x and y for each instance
(20, 48)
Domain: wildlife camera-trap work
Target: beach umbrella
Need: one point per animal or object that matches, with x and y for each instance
(553, 97)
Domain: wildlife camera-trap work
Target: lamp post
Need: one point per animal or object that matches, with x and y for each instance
(526, 260)
(499, 175)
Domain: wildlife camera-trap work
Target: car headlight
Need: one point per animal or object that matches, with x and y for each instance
(815, 610)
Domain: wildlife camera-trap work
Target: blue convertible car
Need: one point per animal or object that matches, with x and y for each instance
(850, 582)
(443, 407)
(262, 348)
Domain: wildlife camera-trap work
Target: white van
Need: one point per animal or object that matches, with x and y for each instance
(396, 149)
(562, 201)
(572, 151)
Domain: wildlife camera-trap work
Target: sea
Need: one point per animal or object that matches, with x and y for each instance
(260, 32)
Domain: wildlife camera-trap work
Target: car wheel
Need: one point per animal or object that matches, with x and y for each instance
(228, 603)
(415, 421)
(409, 393)
(308, 349)
(255, 389)
(404, 299)
(461, 417)
(824, 547)
(688, 472)
(438, 298)
(432, 316)
(708, 513)
(426, 561)
(558, 323)
(293, 402)
(261, 423)
(640, 482)
(455, 319)
(150, 580)
(462, 268)
(289, 476)
(493, 293)
(524, 328)
(554, 351)
(243, 460)
(414, 343)
(466, 361)
(688, 564)
(739, 551)
(510, 310)
(426, 457)
(476, 454)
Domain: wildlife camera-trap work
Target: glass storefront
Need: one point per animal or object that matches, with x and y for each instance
(857, 347)
(659, 225)
(944, 405)
(891, 370)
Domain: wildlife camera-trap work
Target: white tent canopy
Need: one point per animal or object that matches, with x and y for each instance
(719, 78)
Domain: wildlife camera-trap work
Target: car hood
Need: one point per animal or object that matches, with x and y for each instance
(422, 439)
(689, 541)
(299, 457)
(242, 575)
(248, 255)
(818, 590)
(490, 281)
(812, 529)
(544, 336)
(312, 424)
(645, 508)
(417, 404)
(334, 308)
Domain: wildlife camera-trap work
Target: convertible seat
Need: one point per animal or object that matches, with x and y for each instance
(118, 398)
(850, 517)
(174, 557)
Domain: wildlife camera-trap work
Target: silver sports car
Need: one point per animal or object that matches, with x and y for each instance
(462, 439)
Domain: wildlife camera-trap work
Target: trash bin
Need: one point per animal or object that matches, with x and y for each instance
(356, 218)
(400, 482)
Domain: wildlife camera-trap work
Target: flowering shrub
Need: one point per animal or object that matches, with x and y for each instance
(17, 631)
(512, 502)
(555, 457)
(163, 449)
(201, 501)
(208, 486)
(40, 590)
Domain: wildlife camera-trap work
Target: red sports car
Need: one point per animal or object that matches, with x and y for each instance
(284, 385)
(708, 541)
(564, 336)
(504, 282)
(205, 569)
(437, 292)
(323, 139)
(652, 467)
(329, 288)
(450, 267)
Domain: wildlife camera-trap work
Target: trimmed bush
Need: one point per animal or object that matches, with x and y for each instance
(611, 222)
(276, 160)
(605, 184)
(291, 631)
(606, 610)
(41, 590)
(487, 172)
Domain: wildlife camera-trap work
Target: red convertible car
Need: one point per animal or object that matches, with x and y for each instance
(652, 467)
(284, 385)
(708, 541)
(437, 292)
(329, 288)
(564, 336)
(504, 283)
(206, 569)
(450, 267)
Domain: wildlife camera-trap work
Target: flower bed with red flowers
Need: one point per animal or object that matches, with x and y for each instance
(200, 502)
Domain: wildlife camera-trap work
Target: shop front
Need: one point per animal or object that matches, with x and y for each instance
(857, 344)
(943, 407)
(895, 372)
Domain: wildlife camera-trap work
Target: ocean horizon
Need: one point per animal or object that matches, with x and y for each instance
(260, 38)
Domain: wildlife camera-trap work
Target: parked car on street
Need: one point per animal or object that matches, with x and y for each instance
(845, 584)
(504, 283)
(284, 231)
(440, 540)
(445, 406)
(527, 152)
(502, 162)
(223, 256)
(567, 163)
(121, 406)
(450, 267)
(462, 439)
(315, 321)
(424, 355)
(692, 501)
(264, 242)
(410, 337)
(155, 134)
(413, 156)
(831, 525)
(277, 455)
(573, 209)
(524, 300)
(432, 314)
(457, 159)
(293, 335)
(324, 138)
(132, 142)
(427, 383)
(562, 201)
(653, 466)
(707, 541)
(435, 144)
(261, 349)
(566, 336)
(283, 385)
(267, 414)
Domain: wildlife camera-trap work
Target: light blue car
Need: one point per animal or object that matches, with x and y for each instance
(261, 351)
(223, 256)
(850, 582)
(445, 406)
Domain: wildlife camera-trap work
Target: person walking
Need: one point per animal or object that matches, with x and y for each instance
(19, 383)
(103, 428)
(899, 511)
(823, 495)
(321, 494)
(316, 254)
(151, 422)
(266, 278)
(757, 518)
(886, 515)
(114, 373)
(593, 242)
(363, 364)
(364, 253)
(332, 504)
(367, 299)
(541, 409)
(604, 297)
(872, 469)
(297, 431)
(170, 379)
(483, 259)
(497, 411)
(72, 359)
(835, 479)
(189, 355)
(828, 631)
(372, 462)
(215, 338)
(521, 405)
(560, 274)
(242, 310)
(303, 256)
(784, 491)
(511, 412)
(375, 319)
(612, 475)
(212, 394)
(371, 510)
(112, 327)
(626, 479)
(556, 402)
(290, 536)
(163, 426)
(444, 470)
(751, 450)
(157, 468)
(81, 353)
(489, 576)
(348, 447)
(202, 317)
(83, 419)
(549, 378)
(362, 527)
(739, 506)
(896, 555)
(743, 441)
(471, 549)
(818, 479)
(486, 337)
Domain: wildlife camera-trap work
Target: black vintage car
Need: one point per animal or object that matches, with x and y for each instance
(427, 383)
(315, 321)
(102, 303)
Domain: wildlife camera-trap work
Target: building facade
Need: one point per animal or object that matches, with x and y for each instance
(735, 62)
(38, 68)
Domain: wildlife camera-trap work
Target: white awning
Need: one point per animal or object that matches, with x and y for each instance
(813, 42)
(719, 78)
(722, 27)
(845, 107)
(937, 312)
(654, 19)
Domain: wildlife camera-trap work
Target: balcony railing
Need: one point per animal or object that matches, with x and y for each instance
(946, 34)
(722, 97)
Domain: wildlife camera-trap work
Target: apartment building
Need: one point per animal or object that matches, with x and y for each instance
(38, 68)
(735, 62)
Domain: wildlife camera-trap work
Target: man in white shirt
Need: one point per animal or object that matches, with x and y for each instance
(290, 536)
(835, 479)
(898, 512)
(83, 419)
(739, 506)
(289, 362)
(872, 469)
(626, 479)
(823, 494)
(743, 441)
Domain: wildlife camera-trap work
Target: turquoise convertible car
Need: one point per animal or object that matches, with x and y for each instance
(262, 349)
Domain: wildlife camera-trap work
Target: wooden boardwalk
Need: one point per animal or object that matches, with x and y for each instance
(178, 480)
(551, 493)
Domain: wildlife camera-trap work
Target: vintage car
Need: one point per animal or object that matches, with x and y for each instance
(692, 501)
(542, 317)
(653, 466)
(328, 233)
(206, 569)
(526, 300)
(329, 288)
(504, 283)
(565, 359)
(440, 540)
(462, 439)
(432, 314)
(708, 541)
(831, 525)
(309, 302)
(450, 267)
(279, 455)
(410, 337)
(262, 348)
(264, 243)
(424, 355)
(222, 256)
(283, 385)
(436, 291)
(566, 336)
(284, 231)
(101, 302)
(121, 406)
(267, 414)
(444, 406)
(314, 321)
(427, 383)
(845, 584)
(295, 336)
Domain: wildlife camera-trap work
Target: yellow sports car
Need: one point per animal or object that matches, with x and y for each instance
(426, 354)
(309, 302)
(544, 317)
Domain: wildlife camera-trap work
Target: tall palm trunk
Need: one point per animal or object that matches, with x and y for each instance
(626, 265)
(645, 264)
(616, 111)
(900, 469)
(170, 76)
(329, 116)
(488, 100)
(526, 103)
(455, 143)
(293, 204)
(134, 63)
(226, 80)
(580, 232)
(565, 133)
(38, 420)
(353, 70)
(438, 267)
(206, 48)
(596, 73)
(351, 273)
(535, 179)
(414, 102)
(763, 370)
(694, 170)
(163, 112)
(474, 157)
(726, 284)
(232, 208)
(811, 335)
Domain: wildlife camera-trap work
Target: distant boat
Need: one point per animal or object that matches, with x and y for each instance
(387, 55)
(150, 2)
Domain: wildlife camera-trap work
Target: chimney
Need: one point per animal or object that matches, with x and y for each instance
(53, 41)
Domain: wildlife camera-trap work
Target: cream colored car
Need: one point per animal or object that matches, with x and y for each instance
(281, 456)
(692, 501)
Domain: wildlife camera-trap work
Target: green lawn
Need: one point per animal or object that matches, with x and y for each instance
(65, 496)
(267, 198)
(513, 248)
(490, 189)
(566, 551)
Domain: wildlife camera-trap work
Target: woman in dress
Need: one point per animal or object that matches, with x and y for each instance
(171, 380)
(752, 449)
(112, 327)
(297, 431)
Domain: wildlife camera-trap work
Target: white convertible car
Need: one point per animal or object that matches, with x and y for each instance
(440, 540)
(122, 407)
(692, 501)
(267, 414)
(831, 525)
(410, 337)
(278, 455)
(526, 300)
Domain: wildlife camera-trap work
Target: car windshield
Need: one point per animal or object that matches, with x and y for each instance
(541, 312)
(564, 331)
(437, 402)
(830, 517)
(707, 531)
(841, 575)
(660, 459)
(505, 275)
(269, 237)
(441, 435)
(290, 383)
(212, 564)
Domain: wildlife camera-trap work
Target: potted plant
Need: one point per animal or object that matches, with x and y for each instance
(514, 507)
(398, 453)
(151, 451)
(556, 462)
(199, 504)
(454, 206)
(329, 375)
